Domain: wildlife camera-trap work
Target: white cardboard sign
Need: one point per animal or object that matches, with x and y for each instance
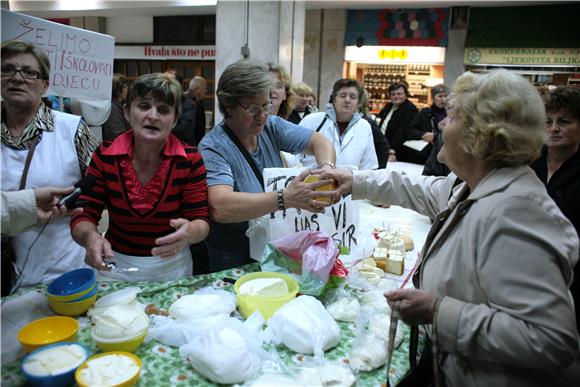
(81, 61)
(340, 221)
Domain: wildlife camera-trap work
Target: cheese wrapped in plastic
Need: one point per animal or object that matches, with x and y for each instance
(203, 303)
(120, 321)
(368, 353)
(304, 326)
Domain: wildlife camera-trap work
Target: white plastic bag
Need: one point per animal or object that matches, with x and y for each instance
(227, 353)
(304, 326)
(341, 305)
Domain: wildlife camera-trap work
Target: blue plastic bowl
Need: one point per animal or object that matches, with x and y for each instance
(66, 378)
(72, 282)
(88, 295)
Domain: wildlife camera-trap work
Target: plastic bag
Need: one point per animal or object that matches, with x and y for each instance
(341, 305)
(191, 316)
(227, 353)
(304, 326)
(311, 255)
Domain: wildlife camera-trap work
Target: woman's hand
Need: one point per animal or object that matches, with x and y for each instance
(98, 247)
(299, 194)
(343, 178)
(186, 232)
(417, 306)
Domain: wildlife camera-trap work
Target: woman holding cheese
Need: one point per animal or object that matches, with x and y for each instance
(496, 265)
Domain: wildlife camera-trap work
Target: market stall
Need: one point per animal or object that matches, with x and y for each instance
(163, 365)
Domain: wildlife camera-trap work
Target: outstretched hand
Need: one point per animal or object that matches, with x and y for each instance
(46, 200)
(343, 178)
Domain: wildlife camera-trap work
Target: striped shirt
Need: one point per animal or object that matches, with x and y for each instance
(133, 229)
(85, 140)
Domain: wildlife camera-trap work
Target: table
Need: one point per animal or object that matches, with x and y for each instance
(162, 365)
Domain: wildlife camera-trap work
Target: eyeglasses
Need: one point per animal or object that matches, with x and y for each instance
(253, 110)
(26, 73)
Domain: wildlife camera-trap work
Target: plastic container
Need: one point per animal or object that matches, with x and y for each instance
(65, 378)
(266, 305)
(74, 308)
(48, 330)
(131, 379)
(73, 283)
(126, 344)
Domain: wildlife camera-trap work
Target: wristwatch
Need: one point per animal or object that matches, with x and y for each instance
(332, 165)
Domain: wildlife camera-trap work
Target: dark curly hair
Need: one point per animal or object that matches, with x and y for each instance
(564, 98)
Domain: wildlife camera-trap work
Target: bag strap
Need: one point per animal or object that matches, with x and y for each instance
(322, 123)
(392, 335)
(246, 155)
(28, 160)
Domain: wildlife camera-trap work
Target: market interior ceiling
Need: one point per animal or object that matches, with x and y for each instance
(110, 8)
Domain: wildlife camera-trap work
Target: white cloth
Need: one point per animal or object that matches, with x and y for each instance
(18, 211)
(355, 147)
(54, 163)
(150, 268)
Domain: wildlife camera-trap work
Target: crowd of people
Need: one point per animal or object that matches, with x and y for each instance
(497, 282)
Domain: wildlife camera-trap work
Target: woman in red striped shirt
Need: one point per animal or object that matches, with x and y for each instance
(154, 187)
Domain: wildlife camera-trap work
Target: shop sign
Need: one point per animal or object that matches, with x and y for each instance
(165, 52)
(523, 56)
(395, 54)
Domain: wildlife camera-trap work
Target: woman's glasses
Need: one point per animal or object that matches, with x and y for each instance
(26, 73)
(254, 110)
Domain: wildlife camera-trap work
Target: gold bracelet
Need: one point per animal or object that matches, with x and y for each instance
(332, 165)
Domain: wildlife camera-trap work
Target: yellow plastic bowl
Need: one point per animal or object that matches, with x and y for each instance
(127, 383)
(72, 308)
(129, 344)
(266, 305)
(70, 297)
(48, 330)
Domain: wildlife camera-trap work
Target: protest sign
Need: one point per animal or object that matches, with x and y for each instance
(340, 221)
(81, 61)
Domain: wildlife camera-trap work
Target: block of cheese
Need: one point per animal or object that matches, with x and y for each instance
(380, 257)
(396, 264)
(55, 360)
(265, 287)
(325, 187)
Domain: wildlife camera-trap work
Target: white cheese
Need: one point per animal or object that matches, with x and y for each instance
(55, 360)
(120, 321)
(108, 370)
(265, 287)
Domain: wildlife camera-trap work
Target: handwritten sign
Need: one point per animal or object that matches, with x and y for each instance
(339, 221)
(81, 61)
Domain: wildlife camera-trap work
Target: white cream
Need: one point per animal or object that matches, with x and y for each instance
(108, 370)
(55, 360)
(265, 287)
(120, 321)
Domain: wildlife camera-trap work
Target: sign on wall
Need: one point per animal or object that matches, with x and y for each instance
(81, 61)
(165, 52)
(394, 55)
(523, 56)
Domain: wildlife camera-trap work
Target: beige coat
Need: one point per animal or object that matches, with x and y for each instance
(501, 265)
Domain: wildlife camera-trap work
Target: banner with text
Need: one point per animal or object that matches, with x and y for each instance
(81, 61)
(340, 221)
(522, 56)
(165, 52)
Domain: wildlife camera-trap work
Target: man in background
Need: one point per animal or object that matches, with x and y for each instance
(190, 127)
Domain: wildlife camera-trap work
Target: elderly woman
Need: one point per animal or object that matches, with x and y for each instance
(496, 265)
(345, 127)
(238, 149)
(559, 164)
(395, 119)
(57, 146)
(154, 188)
(281, 94)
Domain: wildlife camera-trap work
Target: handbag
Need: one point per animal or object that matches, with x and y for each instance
(8, 266)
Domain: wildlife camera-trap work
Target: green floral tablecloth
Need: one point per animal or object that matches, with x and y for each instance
(162, 365)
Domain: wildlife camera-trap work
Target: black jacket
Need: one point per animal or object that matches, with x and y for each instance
(398, 125)
(381, 144)
(295, 118)
(190, 127)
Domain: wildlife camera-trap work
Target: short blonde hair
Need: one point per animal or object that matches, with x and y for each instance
(301, 88)
(503, 117)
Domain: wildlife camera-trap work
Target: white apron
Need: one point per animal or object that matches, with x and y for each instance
(54, 163)
(150, 268)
